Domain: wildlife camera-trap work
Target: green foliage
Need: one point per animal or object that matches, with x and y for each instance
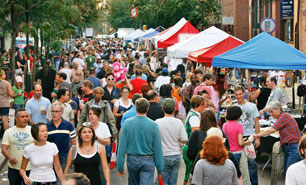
(164, 12)
(119, 16)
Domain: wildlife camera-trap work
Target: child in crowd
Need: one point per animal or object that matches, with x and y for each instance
(234, 131)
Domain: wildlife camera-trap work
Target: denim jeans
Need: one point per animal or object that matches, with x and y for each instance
(63, 162)
(238, 157)
(102, 175)
(252, 165)
(141, 170)
(17, 107)
(291, 156)
(171, 168)
(14, 176)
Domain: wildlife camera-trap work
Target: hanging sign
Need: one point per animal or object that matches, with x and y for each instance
(267, 25)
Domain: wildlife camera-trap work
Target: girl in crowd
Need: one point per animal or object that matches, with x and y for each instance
(111, 92)
(214, 167)
(41, 167)
(234, 131)
(89, 156)
(122, 105)
(18, 91)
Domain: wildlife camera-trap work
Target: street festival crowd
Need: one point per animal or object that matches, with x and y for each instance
(105, 104)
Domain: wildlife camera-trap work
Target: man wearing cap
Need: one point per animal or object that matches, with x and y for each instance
(172, 131)
(140, 140)
(6, 92)
(92, 77)
(163, 79)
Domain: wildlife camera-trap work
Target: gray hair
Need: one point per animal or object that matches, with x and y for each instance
(66, 64)
(98, 89)
(57, 104)
(274, 105)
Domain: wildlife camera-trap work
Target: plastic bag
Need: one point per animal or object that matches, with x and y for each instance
(249, 150)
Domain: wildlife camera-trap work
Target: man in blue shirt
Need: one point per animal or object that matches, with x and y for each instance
(140, 140)
(37, 106)
(132, 112)
(92, 77)
(61, 132)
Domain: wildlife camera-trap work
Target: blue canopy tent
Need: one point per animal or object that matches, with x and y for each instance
(149, 35)
(262, 52)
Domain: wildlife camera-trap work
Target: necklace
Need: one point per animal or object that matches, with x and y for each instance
(87, 150)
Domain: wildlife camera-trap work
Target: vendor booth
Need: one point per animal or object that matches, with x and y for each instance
(265, 52)
(179, 32)
(137, 38)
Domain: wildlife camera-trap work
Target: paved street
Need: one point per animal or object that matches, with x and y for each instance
(116, 180)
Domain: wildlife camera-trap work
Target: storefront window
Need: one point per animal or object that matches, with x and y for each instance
(288, 30)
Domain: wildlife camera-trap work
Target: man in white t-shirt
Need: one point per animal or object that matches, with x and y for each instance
(67, 71)
(15, 139)
(80, 61)
(163, 79)
(296, 172)
(171, 131)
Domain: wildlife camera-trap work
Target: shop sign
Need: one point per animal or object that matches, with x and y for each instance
(267, 25)
(287, 8)
(227, 20)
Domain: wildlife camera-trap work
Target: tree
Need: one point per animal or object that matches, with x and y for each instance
(164, 13)
(119, 15)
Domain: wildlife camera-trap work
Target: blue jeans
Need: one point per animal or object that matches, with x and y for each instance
(17, 107)
(171, 168)
(141, 170)
(14, 176)
(102, 175)
(63, 162)
(252, 165)
(292, 156)
(238, 157)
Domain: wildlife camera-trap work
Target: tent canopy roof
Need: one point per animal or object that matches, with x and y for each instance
(204, 39)
(262, 52)
(133, 35)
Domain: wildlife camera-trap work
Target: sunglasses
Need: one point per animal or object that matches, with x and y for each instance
(110, 79)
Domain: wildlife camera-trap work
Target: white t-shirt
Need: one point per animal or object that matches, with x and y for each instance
(68, 72)
(194, 121)
(102, 131)
(41, 160)
(161, 80)
(171, 130)
(17, 139)
(296, 174)
(119, 102)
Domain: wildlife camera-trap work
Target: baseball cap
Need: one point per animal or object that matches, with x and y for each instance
(216, 131)
(18, 79)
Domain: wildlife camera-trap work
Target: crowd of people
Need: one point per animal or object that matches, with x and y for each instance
(79, 109)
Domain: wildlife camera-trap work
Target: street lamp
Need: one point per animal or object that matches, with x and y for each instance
(202, 13)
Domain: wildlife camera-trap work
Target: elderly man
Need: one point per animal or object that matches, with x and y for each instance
(61, 132)
(140, 140)
(288, 130)
(15, 139)
(37, 106)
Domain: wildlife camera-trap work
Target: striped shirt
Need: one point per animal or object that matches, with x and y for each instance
(61, 136)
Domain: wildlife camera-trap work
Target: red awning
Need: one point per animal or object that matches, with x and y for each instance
(205, 55)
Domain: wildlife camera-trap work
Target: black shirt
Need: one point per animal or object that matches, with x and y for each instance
(101, 74)
(155, 111)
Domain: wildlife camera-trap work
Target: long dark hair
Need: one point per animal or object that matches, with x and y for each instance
(208, 120)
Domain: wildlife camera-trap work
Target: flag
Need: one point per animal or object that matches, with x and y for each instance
(133, 11)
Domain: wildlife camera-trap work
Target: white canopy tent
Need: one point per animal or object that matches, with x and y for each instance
(133, 35)
(204, 39)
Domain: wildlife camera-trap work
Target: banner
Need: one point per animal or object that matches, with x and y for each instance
(133, 11)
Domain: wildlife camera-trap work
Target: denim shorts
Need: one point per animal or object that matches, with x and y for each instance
(4, 111)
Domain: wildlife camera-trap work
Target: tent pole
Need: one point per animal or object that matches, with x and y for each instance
(249, 83)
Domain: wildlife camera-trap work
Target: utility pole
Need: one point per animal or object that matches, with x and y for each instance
(202, 13)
